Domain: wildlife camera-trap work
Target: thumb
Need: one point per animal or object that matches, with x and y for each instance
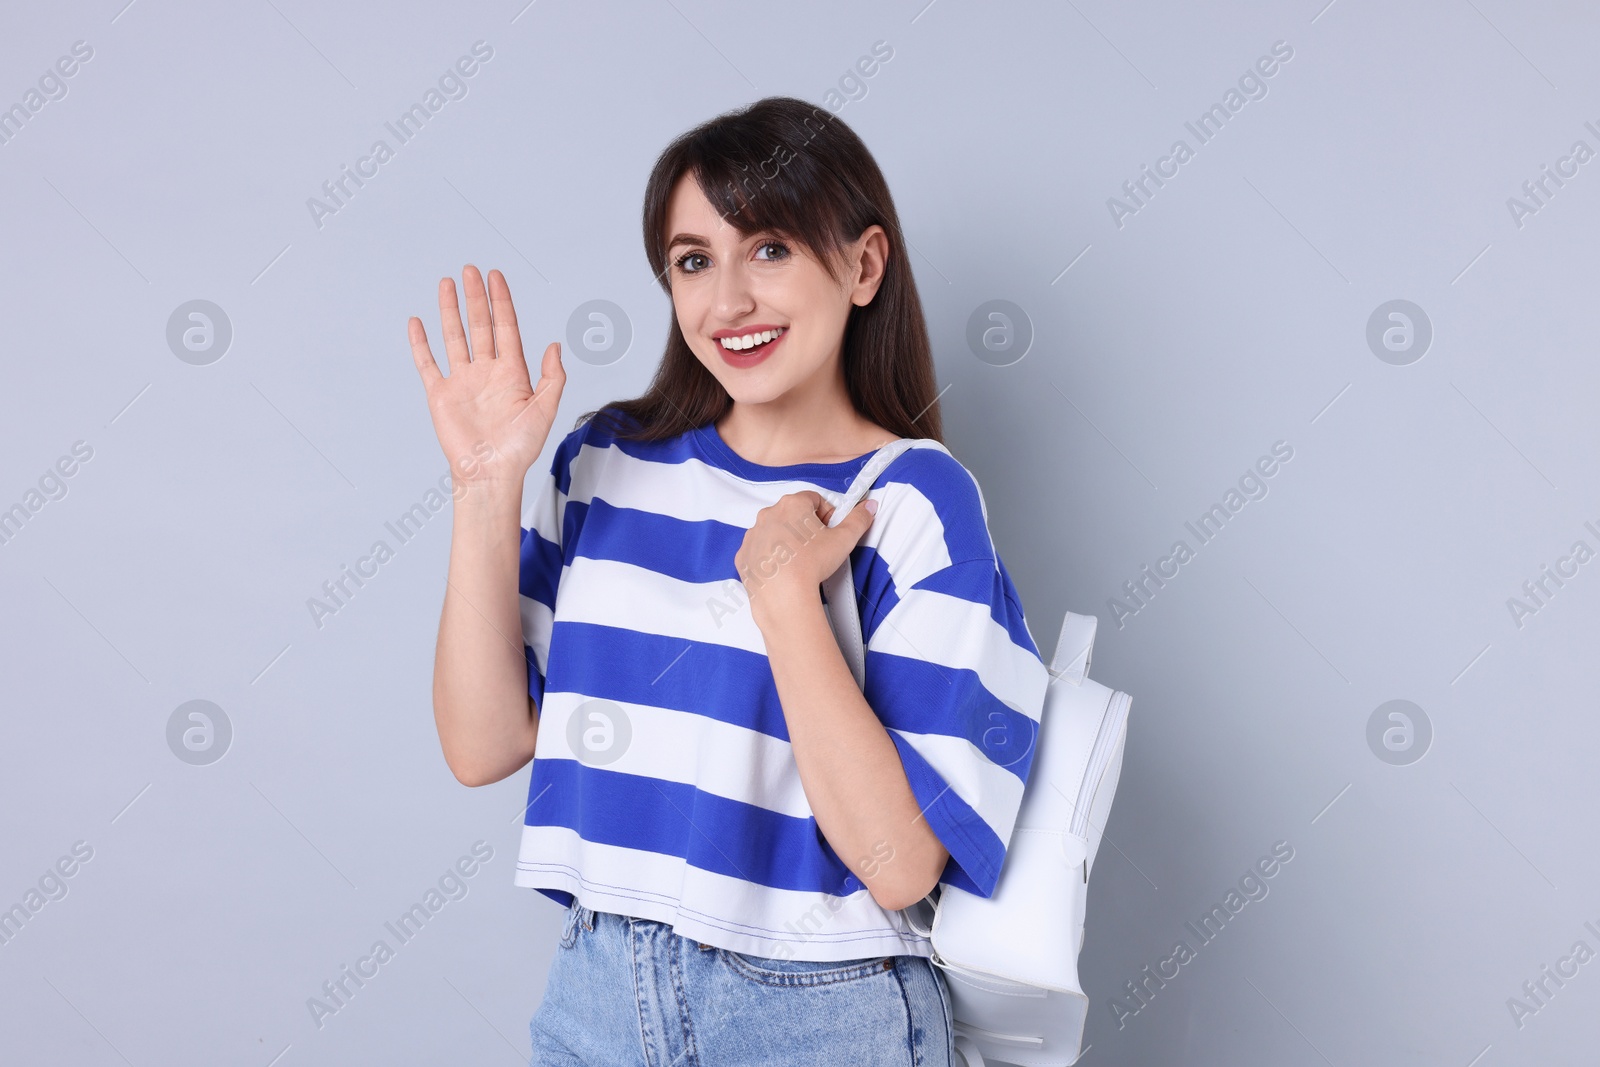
(855, 524)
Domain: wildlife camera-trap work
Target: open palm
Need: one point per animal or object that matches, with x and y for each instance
(491, 420)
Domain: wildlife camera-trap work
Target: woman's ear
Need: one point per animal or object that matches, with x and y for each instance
(870, 257)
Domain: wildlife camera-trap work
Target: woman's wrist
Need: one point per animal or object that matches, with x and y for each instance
(488, 495)
(779, 607)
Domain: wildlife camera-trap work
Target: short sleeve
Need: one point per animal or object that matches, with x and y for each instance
(955, 677)
(542, 560)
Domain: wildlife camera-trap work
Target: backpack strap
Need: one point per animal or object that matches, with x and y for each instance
(839, 588)
(868, 474)
(1073, 646)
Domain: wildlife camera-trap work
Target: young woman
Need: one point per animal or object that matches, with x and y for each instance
(732, 824)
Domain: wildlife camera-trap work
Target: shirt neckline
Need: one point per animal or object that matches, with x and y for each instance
(717, 452)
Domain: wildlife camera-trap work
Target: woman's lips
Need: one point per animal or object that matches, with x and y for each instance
(749, 357)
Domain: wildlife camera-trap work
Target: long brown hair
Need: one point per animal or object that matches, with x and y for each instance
(784, 166)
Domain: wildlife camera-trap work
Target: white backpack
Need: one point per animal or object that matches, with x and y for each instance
(1011, 960)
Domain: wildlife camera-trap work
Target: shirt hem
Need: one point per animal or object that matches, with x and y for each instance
(706, 929)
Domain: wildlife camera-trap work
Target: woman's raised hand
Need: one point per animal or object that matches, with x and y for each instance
(491, 420)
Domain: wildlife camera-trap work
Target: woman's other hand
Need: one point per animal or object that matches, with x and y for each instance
(491, 421)
(791, 551)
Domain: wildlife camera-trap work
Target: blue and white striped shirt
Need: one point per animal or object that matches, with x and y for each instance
(663, 784)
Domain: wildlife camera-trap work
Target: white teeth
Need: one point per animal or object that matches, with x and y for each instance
(750, 340)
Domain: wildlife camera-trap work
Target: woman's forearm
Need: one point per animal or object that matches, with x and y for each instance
(849, 768)
(487, 721)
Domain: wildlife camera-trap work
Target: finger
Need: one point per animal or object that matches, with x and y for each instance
(860, 518)
(844, 537)
(552, 377)
(455, 338)
(813, 499)
(552, 372)
(479, 326)
(421, 354)
(507, 340)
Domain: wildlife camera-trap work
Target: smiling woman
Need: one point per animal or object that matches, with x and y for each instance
(815, 244)
(735, 826)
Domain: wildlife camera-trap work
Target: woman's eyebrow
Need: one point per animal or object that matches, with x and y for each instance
(687, 239)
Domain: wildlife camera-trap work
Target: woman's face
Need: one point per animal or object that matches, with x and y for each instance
(728, 286)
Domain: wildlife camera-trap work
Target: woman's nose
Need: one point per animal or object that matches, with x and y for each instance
(733, 294)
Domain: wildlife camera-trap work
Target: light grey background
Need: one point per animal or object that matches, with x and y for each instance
(1229, 313)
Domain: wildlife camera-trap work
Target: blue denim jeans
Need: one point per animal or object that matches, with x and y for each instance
(629, 992)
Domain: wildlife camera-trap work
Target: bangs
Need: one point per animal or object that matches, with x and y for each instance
(757, 184)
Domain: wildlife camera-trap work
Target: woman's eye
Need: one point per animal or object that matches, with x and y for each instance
(683, 262)
(683, 259)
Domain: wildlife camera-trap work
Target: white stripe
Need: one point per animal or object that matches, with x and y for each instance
(953, 632)
(993, 791)
(646, 601)
(907, 533)
(746, 765)
(537, 622)
(546, 510)
(771, 922)
(715, 757)
(659, 488)
(543, 516)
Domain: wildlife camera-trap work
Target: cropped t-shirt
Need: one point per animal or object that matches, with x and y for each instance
(663, 784)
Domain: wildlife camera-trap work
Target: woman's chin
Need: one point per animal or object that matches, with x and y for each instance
(747, 387)
(760, 384)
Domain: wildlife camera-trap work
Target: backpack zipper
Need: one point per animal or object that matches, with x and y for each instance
(1105, 741)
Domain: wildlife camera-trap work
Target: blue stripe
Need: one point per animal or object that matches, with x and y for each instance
(672, 451)
(538, 573)
(869, 573)
(560, 896)
(712, 449)
(925, 698)
(535, 677)
(612, 663)
(704, 443)
(955, 875)
(709, 832)
(700, 551)
(539, 569)
(972, 845)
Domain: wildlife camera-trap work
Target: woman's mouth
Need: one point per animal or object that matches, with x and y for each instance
(746, 350)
